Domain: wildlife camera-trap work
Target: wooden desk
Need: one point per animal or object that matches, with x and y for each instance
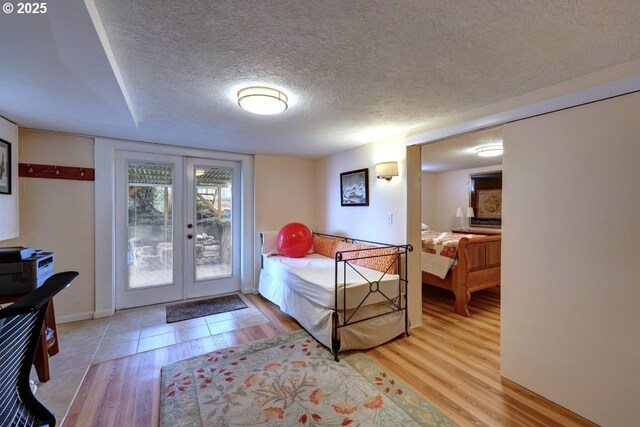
(41, 359)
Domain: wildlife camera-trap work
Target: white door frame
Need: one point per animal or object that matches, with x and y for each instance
(105, 162)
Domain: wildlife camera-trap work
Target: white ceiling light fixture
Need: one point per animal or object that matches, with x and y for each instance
(262, 100)
(490, 150)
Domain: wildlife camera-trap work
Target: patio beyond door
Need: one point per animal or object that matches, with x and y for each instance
(177, 236)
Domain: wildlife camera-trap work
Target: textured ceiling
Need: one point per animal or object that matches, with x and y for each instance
(355, 71)
(459, 153)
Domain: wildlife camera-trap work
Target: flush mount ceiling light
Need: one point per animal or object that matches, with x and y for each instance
(490, 150)
(262, 100)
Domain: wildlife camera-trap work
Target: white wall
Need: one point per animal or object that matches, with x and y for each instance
(370, 222)
(9, 223)
(451, 190)
(284, 192)
(570, 277)
(58, 215)
(428, 199)
(364, 222)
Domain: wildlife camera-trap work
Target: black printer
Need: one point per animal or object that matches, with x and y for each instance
(23, 269)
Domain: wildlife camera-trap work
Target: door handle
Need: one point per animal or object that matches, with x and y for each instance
(189, 236)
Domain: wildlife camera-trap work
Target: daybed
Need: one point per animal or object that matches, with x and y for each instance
(349, 294)
(462, 263)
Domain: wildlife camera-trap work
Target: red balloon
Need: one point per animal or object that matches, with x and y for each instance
(294, 240)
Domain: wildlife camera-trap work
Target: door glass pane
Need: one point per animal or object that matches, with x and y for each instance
(213, 249)
(150, 224)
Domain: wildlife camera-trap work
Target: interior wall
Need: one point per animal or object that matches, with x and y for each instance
(284, 193)
(570, 258)
(9, 218)
(364, 222)
(57, 215)
(428, 199)
(385, 197)
(451, 191)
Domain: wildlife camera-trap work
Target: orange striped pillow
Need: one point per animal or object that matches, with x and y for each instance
(325, 246)
(379, 262)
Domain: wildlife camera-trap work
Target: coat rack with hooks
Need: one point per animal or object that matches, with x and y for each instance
(32, 170)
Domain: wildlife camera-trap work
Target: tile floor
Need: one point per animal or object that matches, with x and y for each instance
(88, 342)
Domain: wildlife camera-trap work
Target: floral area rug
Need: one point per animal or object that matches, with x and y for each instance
(288, 380)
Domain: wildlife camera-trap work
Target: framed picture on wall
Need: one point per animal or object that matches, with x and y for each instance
(485, 197)
(354, 188)
(5, 167)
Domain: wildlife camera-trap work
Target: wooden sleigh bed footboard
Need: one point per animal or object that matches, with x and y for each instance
(478, 268)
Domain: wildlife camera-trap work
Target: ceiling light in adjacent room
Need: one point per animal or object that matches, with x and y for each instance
(262, 100)
(490, 150)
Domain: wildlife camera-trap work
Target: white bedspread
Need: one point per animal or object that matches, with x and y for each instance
(313, 276)
(304, 289)
(437, 265)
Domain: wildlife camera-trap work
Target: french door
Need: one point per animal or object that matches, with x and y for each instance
(212, 247)
(176, 234)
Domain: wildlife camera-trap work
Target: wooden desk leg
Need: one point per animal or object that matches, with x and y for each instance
(41, 361)
(50, 322)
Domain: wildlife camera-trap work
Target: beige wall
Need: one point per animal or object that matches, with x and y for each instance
(9, 217)
(369, 222)
(364, 222)
(570, 278)
(450, 190)
(284, 193)
(58, 215)
(428, 199)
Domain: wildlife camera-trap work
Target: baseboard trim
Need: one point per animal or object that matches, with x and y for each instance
(103, 313)
(248, 291)
(74, 317)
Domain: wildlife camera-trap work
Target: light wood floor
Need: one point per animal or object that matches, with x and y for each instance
(454, 362)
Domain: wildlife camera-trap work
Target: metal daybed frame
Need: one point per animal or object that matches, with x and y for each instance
(399, 259)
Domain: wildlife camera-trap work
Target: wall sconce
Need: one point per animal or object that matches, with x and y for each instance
(386, 170)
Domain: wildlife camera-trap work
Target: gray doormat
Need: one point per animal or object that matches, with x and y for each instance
(205, 307)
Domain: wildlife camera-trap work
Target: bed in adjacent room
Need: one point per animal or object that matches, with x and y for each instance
(462, 263)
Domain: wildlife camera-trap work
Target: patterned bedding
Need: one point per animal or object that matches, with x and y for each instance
(439, 243)
(439, 252)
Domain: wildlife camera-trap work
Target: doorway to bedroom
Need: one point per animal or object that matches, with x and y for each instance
(176, 233)
(461, 216)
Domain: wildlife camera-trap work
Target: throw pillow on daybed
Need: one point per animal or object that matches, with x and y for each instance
(270, 243)
(374, 260)
(325, 246)
(345, 246)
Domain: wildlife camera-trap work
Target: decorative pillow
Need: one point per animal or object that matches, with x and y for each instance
(270, 243)
(345, 246)
(378, 262)
(325, 246)
(424, 226)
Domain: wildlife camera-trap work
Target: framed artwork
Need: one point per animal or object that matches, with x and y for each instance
(5, 167)
(489, 203)
(354, 188)
(485, 197)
